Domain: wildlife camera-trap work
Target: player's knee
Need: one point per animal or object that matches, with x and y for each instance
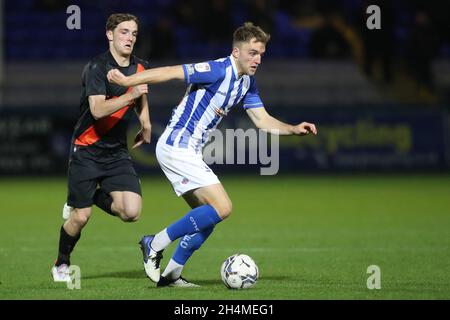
(81, 216)
(131, 217)
(224, 209)
(131, 213)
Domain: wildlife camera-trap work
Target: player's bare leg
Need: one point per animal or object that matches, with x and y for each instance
(69, 235)
(127, 205)
(214, 195)
(211, 204)
(77, 220)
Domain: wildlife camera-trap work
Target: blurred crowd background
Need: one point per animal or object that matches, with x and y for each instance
(414, 33)
(322, 61)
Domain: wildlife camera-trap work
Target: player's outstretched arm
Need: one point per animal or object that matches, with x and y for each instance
(101, 107)
(155, 75)
(265, 121)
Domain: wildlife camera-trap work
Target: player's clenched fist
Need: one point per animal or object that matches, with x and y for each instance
(305, 128)
(115, 76)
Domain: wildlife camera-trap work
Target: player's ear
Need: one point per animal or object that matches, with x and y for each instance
(109, 35)
(235, 52)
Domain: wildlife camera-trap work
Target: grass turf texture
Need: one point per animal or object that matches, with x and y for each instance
(312, 238)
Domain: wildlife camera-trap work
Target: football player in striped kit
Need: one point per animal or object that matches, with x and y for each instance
(215, 87)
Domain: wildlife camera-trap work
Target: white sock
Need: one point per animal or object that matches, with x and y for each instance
(161, 241)
(173, 270)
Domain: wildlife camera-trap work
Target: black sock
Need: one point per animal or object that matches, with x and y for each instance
(66, 245)
(104, 201)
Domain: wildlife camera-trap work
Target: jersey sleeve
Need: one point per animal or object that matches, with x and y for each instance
(203, 72)
(145, 64)
(251, 98)
(96, 80)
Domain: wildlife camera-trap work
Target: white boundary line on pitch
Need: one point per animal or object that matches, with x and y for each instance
(256, 249)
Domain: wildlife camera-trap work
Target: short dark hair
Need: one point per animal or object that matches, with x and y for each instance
(248, 31)
(116, 18)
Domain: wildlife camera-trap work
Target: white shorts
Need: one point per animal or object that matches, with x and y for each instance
(184, 168)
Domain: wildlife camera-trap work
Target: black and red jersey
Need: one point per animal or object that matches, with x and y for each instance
(109, 132)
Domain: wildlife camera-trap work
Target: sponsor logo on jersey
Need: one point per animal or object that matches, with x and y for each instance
(202, 67)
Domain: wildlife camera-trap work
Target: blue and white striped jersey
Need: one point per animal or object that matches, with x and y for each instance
(214, 88)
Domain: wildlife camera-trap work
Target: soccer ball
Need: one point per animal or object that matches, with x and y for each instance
(239, 272)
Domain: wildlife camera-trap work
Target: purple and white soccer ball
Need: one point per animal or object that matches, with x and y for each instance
(239, 272)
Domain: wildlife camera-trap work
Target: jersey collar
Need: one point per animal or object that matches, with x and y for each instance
(235, 70)
(113, 61)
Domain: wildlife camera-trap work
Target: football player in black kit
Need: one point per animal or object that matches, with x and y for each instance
(100, 170)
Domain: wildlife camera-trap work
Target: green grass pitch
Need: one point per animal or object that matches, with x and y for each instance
(313, 237)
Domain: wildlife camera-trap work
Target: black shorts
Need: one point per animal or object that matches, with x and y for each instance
(90, 167)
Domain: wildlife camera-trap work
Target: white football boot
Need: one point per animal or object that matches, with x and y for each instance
(152, 259)
(61, 273)
(179, 283)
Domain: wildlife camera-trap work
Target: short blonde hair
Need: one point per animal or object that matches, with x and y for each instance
(248, 31)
